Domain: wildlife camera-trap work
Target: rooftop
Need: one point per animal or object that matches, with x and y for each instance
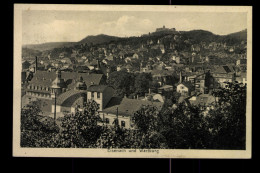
(71, 97)
(45, 79)
(97, 88)
(128, 107)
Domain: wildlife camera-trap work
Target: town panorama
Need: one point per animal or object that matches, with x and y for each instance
(166, 89)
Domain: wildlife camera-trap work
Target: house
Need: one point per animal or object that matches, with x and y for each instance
(222, 75)
(128, 67)
(241, 62)
(66, 60)
(154, 97)
(242, 78)
(165, 88)
(118, 67)
(185, 88)
(82, 69)
(136, 56)
(201, 81)
(121, 110)
(43, 84)
(205, 101)
(101, 94)
(162, 77)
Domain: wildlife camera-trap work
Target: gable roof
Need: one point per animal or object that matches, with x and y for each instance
(224, 69)
(97, 88)
(128, 107)
(187, 84)
(203, 99)
(71, 98)
(44, 78)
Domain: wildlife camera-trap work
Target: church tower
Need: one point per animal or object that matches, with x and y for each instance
(57, 85)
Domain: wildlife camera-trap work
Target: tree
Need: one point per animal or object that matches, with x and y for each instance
(227, 121)
(142, 83)
(80, 130)
(122, 82)
(147, 133)
(36, 131)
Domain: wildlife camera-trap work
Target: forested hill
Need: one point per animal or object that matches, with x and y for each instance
(205, 36)
(193, 37)
(48, 46)
(98, 39)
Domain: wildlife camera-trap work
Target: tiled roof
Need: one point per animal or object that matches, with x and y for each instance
(161, 72)
(166, 87)
(188, 84)
(44, 78)
(128, 107)
(70, 98)
(97, 88)
(224, 69)
(203, 99)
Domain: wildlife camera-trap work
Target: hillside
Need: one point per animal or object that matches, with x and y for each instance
(48, 46)
(235, 37)
(193, 37)
(98, 39)
(30, 53)
(199, 35)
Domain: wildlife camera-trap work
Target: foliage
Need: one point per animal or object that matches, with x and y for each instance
(221, 126)
(228, 120)
(122, 82)
(142, 83)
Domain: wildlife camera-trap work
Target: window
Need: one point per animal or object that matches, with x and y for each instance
(122, 123)
(92, 94)
(98, 95)
(115, 121)
(107, 120)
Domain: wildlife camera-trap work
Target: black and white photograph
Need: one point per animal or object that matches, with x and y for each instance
(132, 81)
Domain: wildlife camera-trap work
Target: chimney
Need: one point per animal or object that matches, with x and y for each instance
(137, 97)
(180, 77)
(36, 63)
(125, 96)
(149, 91)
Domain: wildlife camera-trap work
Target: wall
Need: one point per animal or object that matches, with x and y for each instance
(182, 90)
(58, 108)
(112, 117)
(107, 95)
(98, 100)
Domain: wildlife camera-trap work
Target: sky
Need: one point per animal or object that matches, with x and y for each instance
(71, 26)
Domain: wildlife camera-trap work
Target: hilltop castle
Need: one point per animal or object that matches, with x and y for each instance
(164, 29)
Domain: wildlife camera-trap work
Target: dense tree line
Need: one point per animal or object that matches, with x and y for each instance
(223, 126)
(129, 83)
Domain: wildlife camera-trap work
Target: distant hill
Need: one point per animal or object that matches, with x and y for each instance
(30, 53)
(48, 46)
(98, 39)
(196, 36)
(240, 36)
(199, 35)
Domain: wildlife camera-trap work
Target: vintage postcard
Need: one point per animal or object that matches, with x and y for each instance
(121, 81)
